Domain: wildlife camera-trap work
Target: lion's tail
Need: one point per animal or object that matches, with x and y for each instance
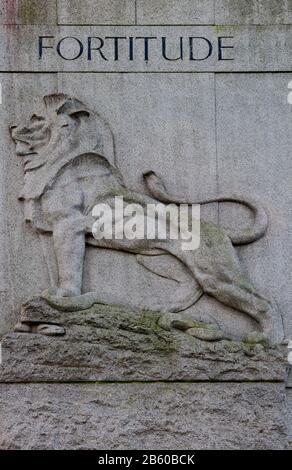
(249, 235)
(260, 224)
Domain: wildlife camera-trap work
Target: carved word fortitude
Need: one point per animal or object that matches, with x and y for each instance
(114, 48)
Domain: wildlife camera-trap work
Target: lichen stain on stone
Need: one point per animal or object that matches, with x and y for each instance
(147, 322)
(10, 11)
(220, 29)
(28, 12)
(11, 30)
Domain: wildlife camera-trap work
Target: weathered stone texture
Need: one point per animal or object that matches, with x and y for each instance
(175, 12)
(142, 416)
(97, 12)
(253, 12)
(109, 344)
(28, 12)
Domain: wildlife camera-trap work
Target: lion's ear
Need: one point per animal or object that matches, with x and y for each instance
(74, 108)
(55, 101)
(79, 114)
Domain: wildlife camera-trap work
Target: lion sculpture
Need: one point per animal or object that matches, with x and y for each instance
(69, 165)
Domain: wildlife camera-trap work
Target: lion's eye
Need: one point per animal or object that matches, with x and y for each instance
(36, 118)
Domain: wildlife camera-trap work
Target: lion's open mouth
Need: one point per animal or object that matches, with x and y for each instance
(23, 148)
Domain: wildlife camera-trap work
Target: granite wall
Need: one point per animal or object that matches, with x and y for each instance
(214, 121)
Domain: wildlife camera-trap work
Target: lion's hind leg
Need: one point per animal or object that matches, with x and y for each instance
(224, 279)
(217, 268)
(237, 292)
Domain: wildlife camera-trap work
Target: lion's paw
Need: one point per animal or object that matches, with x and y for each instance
(46, 329)
(50, 330)
(257, 337)
(207, 334)
(60, 292)
(192, 327)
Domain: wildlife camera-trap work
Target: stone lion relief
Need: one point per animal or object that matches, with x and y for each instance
(69, 165)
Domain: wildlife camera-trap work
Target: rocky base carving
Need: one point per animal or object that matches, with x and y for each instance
(105, 343)
(188, 398)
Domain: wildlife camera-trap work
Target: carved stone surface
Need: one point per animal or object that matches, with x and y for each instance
(69, 161)
(149, 373)
(111, 344)
(143, 416)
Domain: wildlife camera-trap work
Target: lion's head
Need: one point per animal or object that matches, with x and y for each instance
(67, 126)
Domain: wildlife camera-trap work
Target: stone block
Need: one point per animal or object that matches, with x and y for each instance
(253, 12)
(150, 416)
(97, 12)
(175, 12)
(29, 12)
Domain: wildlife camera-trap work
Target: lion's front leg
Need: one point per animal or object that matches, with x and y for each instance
(69, 244)
(63, 211)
